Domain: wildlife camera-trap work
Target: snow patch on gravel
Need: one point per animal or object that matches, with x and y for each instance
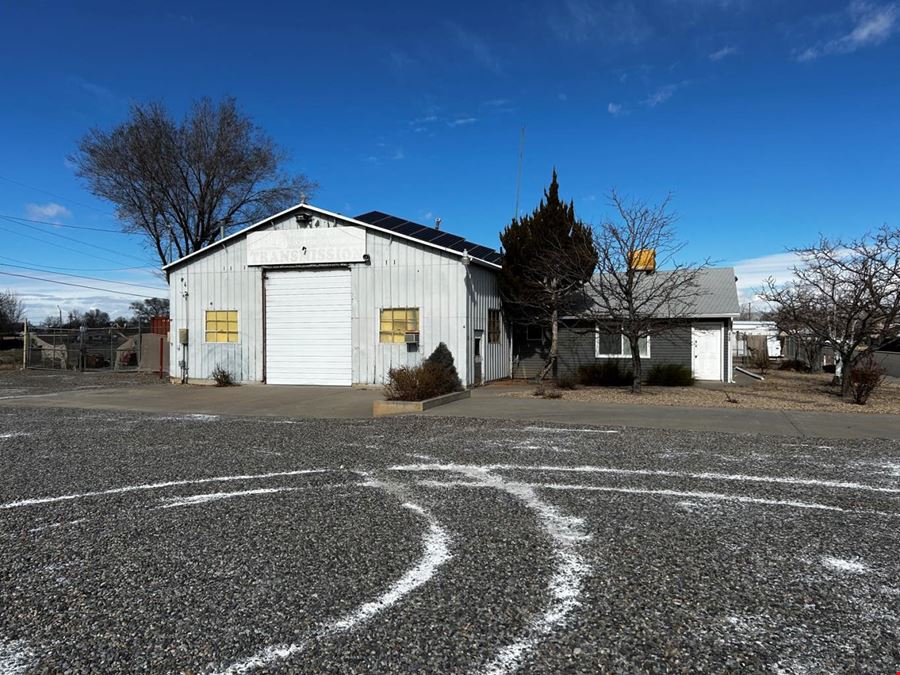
(566, 532)
(191, 417)
(157, 486)
(436, 551)
(53, 526)
(14, 434)
(196, 500)
(785, 480)
(565, 430)
(15, 657)
(843, 565)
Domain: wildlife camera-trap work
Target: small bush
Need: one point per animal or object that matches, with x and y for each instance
(670, 375)
(604, 374)
(795, 365)
(865, 378)
(222, 377)
(539, 391)
(552, 393)
(566, 382)
(435, 376)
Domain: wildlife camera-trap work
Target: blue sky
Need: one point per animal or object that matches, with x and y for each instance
(769, 121)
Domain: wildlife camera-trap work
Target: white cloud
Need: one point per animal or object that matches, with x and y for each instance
(462, 121)
(476, 46)
(582, 20)
(48, 211)
(661, 95)
(723, 53)
(869, 25)
(752, 273)
(614, 109)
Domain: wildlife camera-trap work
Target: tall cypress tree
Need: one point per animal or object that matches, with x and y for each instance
(548, 258)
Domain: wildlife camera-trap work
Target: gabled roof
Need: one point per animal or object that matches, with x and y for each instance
(716, 294)
(449, 243)
(431, 235)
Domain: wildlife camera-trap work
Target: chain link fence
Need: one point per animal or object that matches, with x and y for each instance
(112, 349)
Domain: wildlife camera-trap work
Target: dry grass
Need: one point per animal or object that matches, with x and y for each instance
(781, 390)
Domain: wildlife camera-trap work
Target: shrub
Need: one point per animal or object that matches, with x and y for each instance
(435, 376)
(539, 390)
(604, 374)
(670, 375)
(794, 364)
(552, 393)
(442, 357)
(566, 382)
(222, 377)
(865, 378)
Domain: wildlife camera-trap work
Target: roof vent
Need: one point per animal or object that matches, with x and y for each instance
(437, 223)
(643, 260)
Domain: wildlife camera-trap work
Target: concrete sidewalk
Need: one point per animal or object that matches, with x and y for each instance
(487, 403)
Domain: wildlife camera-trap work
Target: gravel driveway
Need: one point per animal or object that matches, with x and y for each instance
(147, 543)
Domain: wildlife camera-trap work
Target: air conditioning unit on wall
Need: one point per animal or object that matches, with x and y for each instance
(411, 338)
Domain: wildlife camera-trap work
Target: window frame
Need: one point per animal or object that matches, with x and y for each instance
(494, 314)
(624, 346)
(227, 332)
(393, 332)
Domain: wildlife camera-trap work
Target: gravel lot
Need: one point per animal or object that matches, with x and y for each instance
(22, 383)
(148, 543)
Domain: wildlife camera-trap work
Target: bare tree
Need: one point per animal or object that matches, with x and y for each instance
(12, 310)
(180, 184)
(846, 294)
(146, 309)
(808, 345)
(630, 298)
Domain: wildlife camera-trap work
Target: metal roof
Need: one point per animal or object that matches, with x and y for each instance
(431, 235)
(716, 294)
(382, 222)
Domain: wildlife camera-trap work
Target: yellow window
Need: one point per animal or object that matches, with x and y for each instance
(396, 322)
(222, 326)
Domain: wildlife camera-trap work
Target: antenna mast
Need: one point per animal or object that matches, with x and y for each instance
(519, 171)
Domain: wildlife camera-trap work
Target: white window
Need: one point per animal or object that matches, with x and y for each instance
(616, 346)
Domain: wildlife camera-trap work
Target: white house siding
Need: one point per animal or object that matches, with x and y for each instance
(484, 294)
(403, 274)
(217, 280)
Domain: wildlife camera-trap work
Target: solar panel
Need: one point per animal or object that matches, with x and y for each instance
(430, 235)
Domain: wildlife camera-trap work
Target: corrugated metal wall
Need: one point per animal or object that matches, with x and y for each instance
(484, 294)
(218, 280)
(400, 274)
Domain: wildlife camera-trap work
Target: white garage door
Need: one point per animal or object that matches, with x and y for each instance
(308, 327)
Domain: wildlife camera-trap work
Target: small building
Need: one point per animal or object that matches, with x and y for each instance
(700, 340)
(748, 333)
(308, 296)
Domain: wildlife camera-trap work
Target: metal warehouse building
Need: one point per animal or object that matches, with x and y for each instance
(312, 297)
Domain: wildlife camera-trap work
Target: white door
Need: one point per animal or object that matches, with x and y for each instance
(308, 327)
(707, 354)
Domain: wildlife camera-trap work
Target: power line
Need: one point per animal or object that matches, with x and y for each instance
(81, 269)
(73, 227)
(81, 276)
(53, 194)
(77, 241)
(65, 248)
(66, 283)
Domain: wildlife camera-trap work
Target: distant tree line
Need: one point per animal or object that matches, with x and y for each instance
(142, 312)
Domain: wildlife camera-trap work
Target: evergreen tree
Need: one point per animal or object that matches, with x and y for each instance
(548, 258)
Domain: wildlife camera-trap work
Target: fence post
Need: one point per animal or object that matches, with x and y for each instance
(25, 347)
(161, 338)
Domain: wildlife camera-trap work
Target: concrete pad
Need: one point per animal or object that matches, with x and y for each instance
(245, 400)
